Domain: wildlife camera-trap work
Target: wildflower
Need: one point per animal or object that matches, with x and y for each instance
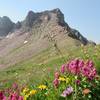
(4, 98)
(67, 80)
(70, 90)
(63, 68)
(13, 96)
(42, 87)
(25, 90)
(89, 71)
(1, 95)
(77, 82)
(62, 79)
(81, 63)
(64, 94)
(20, 98)
(73, 66)
(86, 91)
(67, 91)
(15, 86)
(32, 92)
(85, 71)
(56, 74)
(26, 96)
(56, 82)
(89, 63)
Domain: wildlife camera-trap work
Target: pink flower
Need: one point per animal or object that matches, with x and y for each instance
(86, 71)
(89, 71)
(4, 98)
(56, 82)
(77, 66)
(67, 91)
(78, 82)
(80, 63)
(1, 95)
(90, 63)
(20, 98)
(92, 74)
(63, 68)
(57, 75)
(73, 66)
(13, 96)
(15, 86)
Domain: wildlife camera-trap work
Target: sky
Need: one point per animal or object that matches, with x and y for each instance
(83, 15)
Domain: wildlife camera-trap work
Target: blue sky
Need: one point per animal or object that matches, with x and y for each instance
(83, 15)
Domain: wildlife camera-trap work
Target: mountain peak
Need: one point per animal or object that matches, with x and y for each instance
(31, 16)
(6, 25)
(56, 10)
(49, 21)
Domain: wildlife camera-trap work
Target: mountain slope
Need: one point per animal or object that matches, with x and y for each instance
(38, 32)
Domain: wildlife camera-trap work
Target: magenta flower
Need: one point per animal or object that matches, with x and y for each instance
(56, 82)
(57, 75)
(14, 86)
(89, 70)
(77, 82)
(85, 71)
(90, 63)
(4, 98)
(1, 95)
(20, 98)
(63, 68)
(13, 96)
(77, 66)
(73, 66)
(80, 63)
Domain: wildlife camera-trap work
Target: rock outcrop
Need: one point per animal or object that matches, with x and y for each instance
(53, 17)
(6, 26)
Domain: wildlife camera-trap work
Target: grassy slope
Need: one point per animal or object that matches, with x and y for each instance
(34, 70)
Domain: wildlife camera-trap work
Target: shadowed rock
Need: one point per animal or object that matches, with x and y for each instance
(6, 25)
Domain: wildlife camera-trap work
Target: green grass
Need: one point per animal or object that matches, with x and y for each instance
(35, 69)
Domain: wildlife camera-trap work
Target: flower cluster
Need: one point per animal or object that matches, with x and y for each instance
(30, 93)
(76, 73)
(12, 93)
(89, 70)
(80, 67)
(56, 80)
(76, 80)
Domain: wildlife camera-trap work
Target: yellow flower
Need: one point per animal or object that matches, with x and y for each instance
(26, 96)
(42, 87)
(67, 80)
(25, 90)
(62, 79)
(32, 92)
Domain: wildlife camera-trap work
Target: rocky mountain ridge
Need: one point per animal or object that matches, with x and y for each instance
(32, 18)
(38, 32)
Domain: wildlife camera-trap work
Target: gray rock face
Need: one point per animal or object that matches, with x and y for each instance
(54, 18)
(77, 35)
(6, 26)
(30, 18)
(18, 25)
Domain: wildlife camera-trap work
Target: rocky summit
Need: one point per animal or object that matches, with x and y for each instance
(37, 32)
(44, 18)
